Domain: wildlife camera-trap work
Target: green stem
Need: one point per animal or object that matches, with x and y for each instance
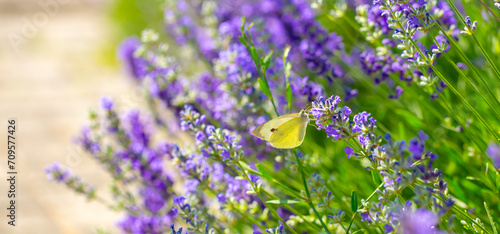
(466, 103)
(495, 69)
(474, 87)
(361, 207)
(292, 210)
(492, 223)
(465, 59)
(343, 227)
(275, 214)
(251, 219)
(497, 73)
(275, 109)
(489, 9)
(456, 117)
(469, 81)
(308, 194)
(286, 187)
(456, 208)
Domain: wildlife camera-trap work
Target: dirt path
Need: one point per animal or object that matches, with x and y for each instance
(48, 85)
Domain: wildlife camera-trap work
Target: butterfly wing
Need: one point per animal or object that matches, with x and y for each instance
(289, 134)
(265, 130)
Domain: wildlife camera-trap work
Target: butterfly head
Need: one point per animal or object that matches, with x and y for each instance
(304, 114)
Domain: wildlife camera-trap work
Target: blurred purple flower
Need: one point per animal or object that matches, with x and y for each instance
(56, 173)
(420, 221)
(134, 65)
(493, 151)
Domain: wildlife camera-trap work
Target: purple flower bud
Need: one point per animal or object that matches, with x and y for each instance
(106, 103)
(221, 197)
(388, 228)
(179, 200)
(254, 178)
(200, 136)
(349, 151)
(210, 130)
(225, 155)
(173, 213)
(191, 186)
(56, 173)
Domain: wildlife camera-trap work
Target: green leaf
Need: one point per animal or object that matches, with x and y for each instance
(354, 202)
(288, 67)
(264, 172)
(498, 181)
(283, 202)
(458, 191)
(402, 130)
(265, 88)
(493, 226)
(249, 27)
(478, 182)
(242, 40)
(243, 21)
(255, 56)
(266, 61)
(376, 178)
(285, 53)
(410, 118)
(359, 231)
(289, 96)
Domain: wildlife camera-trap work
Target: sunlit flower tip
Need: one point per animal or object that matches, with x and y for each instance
(106, 103)
(349, 151)
(470, 27)
(493, 151)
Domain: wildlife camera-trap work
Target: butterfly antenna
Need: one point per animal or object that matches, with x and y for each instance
(309, 107)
